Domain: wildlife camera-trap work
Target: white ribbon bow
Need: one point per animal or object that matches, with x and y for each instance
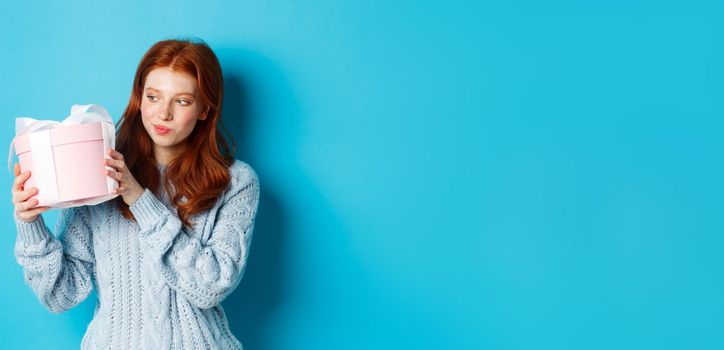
(79, 114)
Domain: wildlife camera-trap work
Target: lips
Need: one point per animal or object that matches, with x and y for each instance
(161, 130)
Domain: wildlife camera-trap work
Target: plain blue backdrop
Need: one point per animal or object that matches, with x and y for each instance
(435, 175)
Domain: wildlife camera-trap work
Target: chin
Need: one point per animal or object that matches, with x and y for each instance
(165, 143)
(161, 142)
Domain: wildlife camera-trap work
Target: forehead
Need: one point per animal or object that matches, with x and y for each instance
(169, 81)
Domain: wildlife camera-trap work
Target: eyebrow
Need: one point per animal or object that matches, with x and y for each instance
(180, 93)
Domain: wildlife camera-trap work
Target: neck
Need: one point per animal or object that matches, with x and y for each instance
(164, 155)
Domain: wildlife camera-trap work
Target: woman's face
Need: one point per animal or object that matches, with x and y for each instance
(170, 108)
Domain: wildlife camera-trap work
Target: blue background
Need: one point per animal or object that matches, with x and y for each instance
(450, 175)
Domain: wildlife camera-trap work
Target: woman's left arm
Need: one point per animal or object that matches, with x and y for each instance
(203, 272)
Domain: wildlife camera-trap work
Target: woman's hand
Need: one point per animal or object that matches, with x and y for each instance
(22, 198)
(128, 187)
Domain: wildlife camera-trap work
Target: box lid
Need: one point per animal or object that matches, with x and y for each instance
(62, 135)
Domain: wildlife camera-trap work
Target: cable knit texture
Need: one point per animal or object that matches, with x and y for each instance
(159, 284)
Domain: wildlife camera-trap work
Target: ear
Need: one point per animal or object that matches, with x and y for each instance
(204, 114)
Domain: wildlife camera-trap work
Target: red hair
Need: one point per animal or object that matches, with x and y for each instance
(198, 174)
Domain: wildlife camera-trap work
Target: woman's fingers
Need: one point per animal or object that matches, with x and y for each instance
(20, 180)
(22, 196)
(114, 175)
(29, 204)
(118, 164)
(38, 210)
(30, 215)
(115, 154)
(24, 206)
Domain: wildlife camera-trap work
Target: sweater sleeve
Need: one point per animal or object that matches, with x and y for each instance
(204, 272)
(58, 270)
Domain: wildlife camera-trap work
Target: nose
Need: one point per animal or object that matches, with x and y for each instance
(165, 113)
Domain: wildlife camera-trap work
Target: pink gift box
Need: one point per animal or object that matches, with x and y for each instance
(67, 161)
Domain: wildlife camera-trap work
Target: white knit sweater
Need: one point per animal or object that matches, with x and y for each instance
(158, 283)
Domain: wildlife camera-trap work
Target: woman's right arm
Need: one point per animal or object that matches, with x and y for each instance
(57, 269)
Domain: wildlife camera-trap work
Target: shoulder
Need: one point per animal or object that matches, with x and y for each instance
(243, 177)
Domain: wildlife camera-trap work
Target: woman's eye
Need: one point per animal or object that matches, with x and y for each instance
(184, 102)
(152, 98)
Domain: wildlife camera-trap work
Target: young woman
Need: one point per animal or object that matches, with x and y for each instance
(174, 243)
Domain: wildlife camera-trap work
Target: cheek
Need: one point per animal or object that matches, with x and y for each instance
(188, 120)
(188, 127)
(145, 111)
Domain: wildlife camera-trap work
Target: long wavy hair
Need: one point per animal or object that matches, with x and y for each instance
(197, 175)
